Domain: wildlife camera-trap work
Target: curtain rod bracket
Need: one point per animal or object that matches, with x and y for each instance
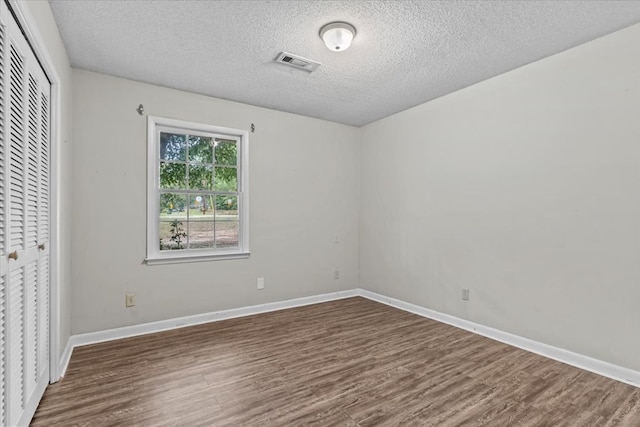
(140, 109)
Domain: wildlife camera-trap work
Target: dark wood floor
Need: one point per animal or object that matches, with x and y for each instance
(351, 362)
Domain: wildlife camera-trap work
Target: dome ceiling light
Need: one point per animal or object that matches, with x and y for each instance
(337, 36)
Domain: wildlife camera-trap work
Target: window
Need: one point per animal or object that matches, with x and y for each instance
(197, 192)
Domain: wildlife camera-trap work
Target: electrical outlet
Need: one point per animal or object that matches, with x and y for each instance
(130, 300)
(465, 294)
(336, 274)
(260, 282)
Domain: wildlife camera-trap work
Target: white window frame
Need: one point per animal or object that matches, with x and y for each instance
(154, 254)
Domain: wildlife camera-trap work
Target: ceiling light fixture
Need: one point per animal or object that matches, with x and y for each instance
(337, 36)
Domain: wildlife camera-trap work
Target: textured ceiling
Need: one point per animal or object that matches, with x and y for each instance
(405, 52)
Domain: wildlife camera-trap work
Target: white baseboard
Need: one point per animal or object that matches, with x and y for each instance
(65, 358)
(181, 322)
(587, 363)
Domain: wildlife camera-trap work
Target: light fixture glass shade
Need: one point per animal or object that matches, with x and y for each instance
(337, 36)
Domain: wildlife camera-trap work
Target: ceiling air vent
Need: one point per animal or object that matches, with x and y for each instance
(297, 61)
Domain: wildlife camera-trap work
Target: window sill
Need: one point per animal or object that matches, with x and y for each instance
(178, 259)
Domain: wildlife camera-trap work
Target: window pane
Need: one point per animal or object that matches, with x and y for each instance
(173, 175)
(173, 235)
(201, 234)
(200, 177)
(226, 152)
(226, 179)
(201, 207)
(173, 206)
(226, 234)
(226, 206)
(173, 146)
(200, 149)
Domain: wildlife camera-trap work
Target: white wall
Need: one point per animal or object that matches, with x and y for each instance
(45, 25)
(303, 193)
(525, 189)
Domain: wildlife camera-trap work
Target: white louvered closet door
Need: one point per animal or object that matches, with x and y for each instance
(24, 225)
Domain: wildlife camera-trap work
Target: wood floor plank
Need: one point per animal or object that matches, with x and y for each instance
(352, 363)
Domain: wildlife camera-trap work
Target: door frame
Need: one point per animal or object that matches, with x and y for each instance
(28, 24)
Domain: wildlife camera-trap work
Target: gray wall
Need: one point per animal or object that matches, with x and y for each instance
(304, 187)
(524, 189)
